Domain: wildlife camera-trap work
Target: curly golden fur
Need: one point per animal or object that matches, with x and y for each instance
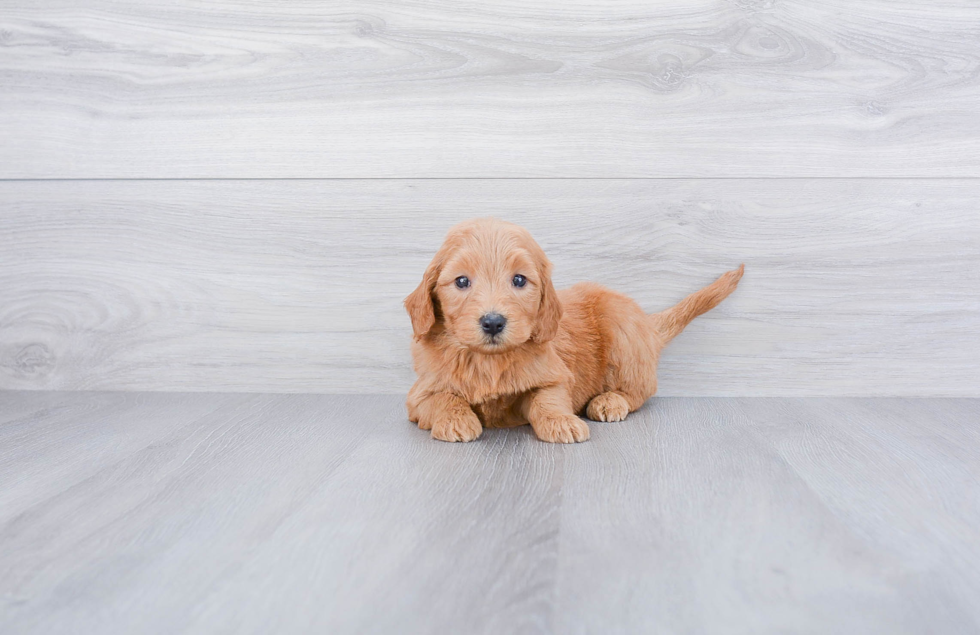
(584, 350)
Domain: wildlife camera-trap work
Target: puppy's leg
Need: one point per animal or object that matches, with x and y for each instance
(449, 417)
(608, 406)
(549, 410)
(614, 405)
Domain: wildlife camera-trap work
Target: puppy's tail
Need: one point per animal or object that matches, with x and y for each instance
(671, 322)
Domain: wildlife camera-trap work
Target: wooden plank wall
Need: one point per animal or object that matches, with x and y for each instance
(489, 88)
(236, 196)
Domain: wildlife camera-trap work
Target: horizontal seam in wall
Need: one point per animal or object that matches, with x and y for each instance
(507, 178)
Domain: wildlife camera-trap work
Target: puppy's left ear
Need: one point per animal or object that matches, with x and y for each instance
(549, 312)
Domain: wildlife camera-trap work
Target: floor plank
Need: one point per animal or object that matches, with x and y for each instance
(80, 434)
(15, 405)
(136, 542)
(759, 515)
(291, 513)
(410, 535)
(479, 88)
(297, 286)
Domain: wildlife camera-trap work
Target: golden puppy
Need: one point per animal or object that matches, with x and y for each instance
(496, 346)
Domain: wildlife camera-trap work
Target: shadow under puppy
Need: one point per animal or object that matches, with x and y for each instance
(496, 346)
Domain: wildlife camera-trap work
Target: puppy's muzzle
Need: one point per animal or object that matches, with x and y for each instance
(492, 324)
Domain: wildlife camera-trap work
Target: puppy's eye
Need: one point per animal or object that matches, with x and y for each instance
(519, 280)
(462, 282)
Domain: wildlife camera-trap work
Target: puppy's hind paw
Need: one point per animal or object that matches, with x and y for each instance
(609, 406)
(561, 429)
(453, 428)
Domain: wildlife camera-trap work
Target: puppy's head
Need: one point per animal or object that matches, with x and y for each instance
(489, 285)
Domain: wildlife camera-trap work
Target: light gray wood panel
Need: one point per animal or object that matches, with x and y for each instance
(15, 406)
(483, 88)
(851, 286)
(410, 535)
(299, 513)
(909, 486)
(75, 438)
(136, 541)
(759, 516)
(289, 513)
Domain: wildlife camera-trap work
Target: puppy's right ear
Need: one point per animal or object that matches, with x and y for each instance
(420, 303)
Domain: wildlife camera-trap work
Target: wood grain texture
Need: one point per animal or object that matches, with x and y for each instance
(278, 513)
(479, 88)
(188, 501)
(851, 286)
(774, 515)
(205, 513)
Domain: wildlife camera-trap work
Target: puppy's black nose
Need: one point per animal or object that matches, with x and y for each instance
(493, 323)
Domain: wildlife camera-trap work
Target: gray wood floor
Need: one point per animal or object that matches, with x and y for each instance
(212, 513)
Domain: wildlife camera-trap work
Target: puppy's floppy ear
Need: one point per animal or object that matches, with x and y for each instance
(420, 303)
(549, 312)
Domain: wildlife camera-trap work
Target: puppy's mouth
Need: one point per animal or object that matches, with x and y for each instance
(493, 341)
(492, 344)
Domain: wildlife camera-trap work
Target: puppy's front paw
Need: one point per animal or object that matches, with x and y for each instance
(609, 406)
(457, 427)
(562, 429)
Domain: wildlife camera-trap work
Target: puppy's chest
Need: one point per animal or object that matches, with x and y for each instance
(486, 382)
(500, 412)
(495, 398)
